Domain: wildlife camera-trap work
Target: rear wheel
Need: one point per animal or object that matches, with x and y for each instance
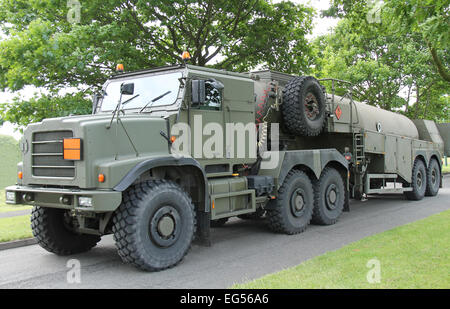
(54, 231)
(433, 178)
(418, 181)
(155, 225)
(294, 205)
(329, 197)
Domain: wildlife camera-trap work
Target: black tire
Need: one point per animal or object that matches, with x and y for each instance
(52, 229)
(433, 178)
(418, 182)
(303, 107)
(219, 222)
(329, 197)
(293, 208)
(154, 226)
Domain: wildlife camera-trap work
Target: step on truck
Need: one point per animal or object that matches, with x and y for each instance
(170, 152)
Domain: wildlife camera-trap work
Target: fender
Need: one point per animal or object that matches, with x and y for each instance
(203, 213)
(314, 159)
(146, 165)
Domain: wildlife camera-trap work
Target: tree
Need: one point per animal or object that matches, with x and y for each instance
(44, 49)
(428, 18)
(389, 67)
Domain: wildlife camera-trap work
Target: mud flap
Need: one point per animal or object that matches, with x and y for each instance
(203, 237)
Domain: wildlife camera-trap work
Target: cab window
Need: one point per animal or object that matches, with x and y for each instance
(208, 94)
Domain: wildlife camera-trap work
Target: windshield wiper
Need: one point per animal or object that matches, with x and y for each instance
(117, 109)
(130, 99)
(154, 100)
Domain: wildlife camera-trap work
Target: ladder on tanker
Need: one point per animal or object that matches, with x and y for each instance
(358, 149)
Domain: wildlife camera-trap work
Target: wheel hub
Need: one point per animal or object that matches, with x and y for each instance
(311, 106)
(433, 176)
(331, 196)
(164, 226)
(297, 202)
(419, 180)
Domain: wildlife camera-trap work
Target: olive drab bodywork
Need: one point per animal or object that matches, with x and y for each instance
(169, 152)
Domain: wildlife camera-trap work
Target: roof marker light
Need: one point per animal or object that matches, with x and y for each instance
(120, 68)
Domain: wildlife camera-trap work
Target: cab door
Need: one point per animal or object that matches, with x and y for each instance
(207, 122)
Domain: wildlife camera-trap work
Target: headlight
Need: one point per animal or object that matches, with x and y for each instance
(85, 201)
(11, 196)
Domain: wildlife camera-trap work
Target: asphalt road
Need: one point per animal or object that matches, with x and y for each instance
(241, 250)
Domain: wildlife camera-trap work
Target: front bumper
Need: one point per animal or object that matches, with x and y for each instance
(101, 200)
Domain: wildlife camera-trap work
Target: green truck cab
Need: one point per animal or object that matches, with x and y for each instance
(170, 152)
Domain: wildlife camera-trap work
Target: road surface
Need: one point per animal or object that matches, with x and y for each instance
(242, 250)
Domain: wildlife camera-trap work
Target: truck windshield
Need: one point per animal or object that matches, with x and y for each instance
(147, 87)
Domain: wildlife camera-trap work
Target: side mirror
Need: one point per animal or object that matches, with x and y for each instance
(198, 92)
(127, 89)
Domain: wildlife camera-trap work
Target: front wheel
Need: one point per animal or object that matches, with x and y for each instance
(155, 225)
(54, 231)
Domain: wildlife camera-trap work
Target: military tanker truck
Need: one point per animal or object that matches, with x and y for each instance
(169, 152)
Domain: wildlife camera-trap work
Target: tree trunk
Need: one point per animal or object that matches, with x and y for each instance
(416, 113)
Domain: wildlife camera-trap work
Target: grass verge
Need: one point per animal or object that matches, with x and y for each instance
(10, 155)
(445, 169)
(15, 228)
(416, 255)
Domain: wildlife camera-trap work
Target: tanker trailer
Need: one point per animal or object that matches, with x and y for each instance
(387, 152)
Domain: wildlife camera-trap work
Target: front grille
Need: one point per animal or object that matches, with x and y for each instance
(48, 159)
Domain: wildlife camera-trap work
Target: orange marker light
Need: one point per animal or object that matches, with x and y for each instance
(72, 149)
(20, 175)
(120, 67)
(101, 178)
(173, 139)
(186, 56)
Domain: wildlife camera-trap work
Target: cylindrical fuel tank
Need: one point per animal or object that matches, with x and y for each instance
(376, 119)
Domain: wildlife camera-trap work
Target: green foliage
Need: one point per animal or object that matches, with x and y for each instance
(427, 18)
(10, 155)
(390, 66)
(22, 112)
(44, 49)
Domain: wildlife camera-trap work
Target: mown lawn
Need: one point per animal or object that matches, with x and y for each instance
(9, 157)
(15, 228)
(446, 169)
(416, 255)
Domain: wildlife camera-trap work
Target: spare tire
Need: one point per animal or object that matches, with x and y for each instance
(303, 107)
